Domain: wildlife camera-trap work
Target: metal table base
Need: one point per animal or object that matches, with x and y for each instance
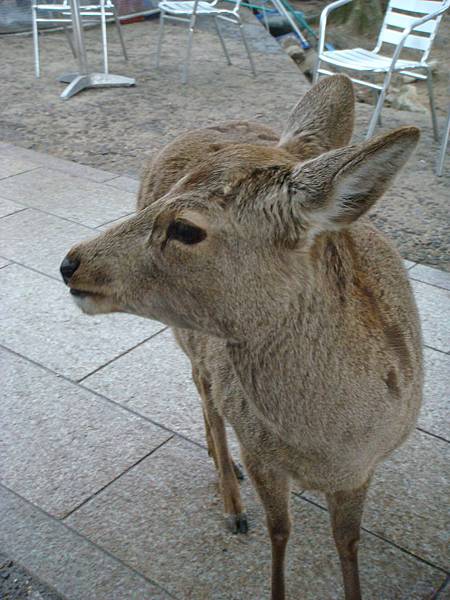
(83, 79)
(92, 80)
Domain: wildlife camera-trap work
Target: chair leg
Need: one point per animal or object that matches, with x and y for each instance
(37, 67)
(379, 105)
(160, 39)
(247, 48)
(119, 31)
(222, 41)
(316, 73)
(104, 37)
(185, 76)
(432, 107)
(375, 95)
(69, 40)
(265, 18)
(444, 145)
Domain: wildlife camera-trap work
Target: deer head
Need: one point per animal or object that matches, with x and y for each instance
(221, 251)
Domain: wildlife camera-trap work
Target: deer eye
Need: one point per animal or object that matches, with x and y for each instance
(185, 232)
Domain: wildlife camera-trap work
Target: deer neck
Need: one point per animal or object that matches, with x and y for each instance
(283, 367)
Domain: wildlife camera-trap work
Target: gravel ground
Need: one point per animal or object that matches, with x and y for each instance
(119, 129)
(18, 584)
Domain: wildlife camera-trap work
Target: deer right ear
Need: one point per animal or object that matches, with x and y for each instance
(322, 120)
(338, 187)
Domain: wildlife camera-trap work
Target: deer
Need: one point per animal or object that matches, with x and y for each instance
(295, 311)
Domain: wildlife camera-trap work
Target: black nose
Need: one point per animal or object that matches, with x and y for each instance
(68, 268)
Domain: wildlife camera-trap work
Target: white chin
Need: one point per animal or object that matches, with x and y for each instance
(92, 307)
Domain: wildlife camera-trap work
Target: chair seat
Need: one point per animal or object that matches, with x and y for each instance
(187, 7)
(359, 59)
(66, 7)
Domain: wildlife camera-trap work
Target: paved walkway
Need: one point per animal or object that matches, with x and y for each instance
(107, 491)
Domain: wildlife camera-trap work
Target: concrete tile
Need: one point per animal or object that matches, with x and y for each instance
(408, 264)
(41, 159)
(127, 184)
(10, 166)
(60, 443)
(106, 226)
(434, 416)
(155, 380)
(434, 305)
(163, 518)
(408, 499)
(8, 208)
(71, 565)
(39, 320)
(75, 198)
(430, 275)
(39, 240)
(444, 590)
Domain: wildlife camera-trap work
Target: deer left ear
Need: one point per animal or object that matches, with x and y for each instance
(338, 187)
(322, 120)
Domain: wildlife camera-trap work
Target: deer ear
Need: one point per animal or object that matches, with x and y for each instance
(322, 120)
(338, 187)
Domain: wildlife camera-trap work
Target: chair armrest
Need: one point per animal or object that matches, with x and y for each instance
(407, 31)
(323, 21)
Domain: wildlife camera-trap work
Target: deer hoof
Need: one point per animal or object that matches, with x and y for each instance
(238, 471)
(237, 523)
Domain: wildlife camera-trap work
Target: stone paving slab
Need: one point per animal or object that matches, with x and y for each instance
(39, 240)
(127, 184)
(14, 165)
(155, 380)
(68, 196)
(8, 208)
(434, 416)
(39, 320)
(164, 519)
(408, 264)
(41, 159)
(60, 444)
(444, 591)
(433, 303)
(69, 563)
(430, 275)
(408, 498)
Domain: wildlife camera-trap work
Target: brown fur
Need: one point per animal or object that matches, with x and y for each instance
(298, 318)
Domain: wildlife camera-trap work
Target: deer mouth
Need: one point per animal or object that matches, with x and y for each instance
(78, 293)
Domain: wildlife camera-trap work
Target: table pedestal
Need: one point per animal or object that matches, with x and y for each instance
(92, 80)
(83, 79)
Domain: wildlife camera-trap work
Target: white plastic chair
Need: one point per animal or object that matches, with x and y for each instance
(187, 11)
(409, 24)
(60, 13)
(444, 145)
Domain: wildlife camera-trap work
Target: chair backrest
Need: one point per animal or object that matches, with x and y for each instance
(400, 14)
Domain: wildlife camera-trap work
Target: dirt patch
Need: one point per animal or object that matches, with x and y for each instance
(118, 129)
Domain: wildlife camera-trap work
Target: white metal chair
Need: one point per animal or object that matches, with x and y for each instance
(444, 145)
(60, 13)
(409, 24)
(187, 11)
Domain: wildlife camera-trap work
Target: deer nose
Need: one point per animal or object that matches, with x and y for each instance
(68, 268)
